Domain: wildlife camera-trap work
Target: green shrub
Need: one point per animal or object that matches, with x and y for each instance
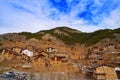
(31, 35)
(82, 38)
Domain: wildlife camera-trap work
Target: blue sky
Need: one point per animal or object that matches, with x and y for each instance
(35, 15)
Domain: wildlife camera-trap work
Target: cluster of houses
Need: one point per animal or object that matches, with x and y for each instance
(97, 60)
(36, 58)
(109, 48)
(32, 57)
(98, 55)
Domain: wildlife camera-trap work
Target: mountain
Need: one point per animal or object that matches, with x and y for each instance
(66, 35)
(81, 46)
(72, 36)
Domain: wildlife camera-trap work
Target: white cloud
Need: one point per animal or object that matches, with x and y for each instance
(34, 16)
(112, 21)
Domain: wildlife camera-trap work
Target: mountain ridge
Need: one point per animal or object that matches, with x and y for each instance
(67, 35)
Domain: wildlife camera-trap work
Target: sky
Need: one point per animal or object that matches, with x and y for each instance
(36, 15)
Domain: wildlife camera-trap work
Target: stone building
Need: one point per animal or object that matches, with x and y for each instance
(30, 48)
(45, 54)
(51, 50)
(59, 59)
(95, 50)
(40, 61)
(105, 72)
(17, 49)
(24, 58)
(8, 54)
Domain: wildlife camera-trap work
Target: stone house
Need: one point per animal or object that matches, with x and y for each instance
(51, 50)
(18, 58)
(31, 48)
(24, 58)
(59, 64)
(94, 56)
(110, 48)
(37, 51)
(59, 59)
(56, 60)
(17, 49)
(95, 50)
(105, 72)
(40, 61)
(45, 54)
(8, 54)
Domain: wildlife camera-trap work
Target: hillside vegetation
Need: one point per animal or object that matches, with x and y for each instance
(30, 35)
(74, 36)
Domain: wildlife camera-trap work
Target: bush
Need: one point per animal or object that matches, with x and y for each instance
(82, 38)
(31, 35)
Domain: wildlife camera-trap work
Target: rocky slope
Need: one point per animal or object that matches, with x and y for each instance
(64, 34)
(65, 39)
